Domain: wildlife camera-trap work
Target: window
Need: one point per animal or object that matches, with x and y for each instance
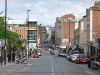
(32, 35)
(66, 20)
(59, 26)
(19, 36)
(59, 19)
(32, 41)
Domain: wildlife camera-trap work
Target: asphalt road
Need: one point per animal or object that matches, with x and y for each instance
(52, 65)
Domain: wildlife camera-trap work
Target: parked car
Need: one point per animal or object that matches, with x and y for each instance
(82, 58)
(62, 52)
(39, 53)
(35, 54)
(70, 54)
(74, 57)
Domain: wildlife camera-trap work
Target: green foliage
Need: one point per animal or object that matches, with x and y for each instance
(12, 37)
(2, 28)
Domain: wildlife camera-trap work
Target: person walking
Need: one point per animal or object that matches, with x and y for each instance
(9, 57)
(13, 57)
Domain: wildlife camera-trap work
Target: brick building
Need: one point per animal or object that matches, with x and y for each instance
(21, 27)
(64, 29)
(89, 28)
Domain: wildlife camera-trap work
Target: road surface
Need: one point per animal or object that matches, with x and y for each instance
(50, 65)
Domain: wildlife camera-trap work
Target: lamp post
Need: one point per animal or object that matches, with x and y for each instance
(5, 31)
(28, 28)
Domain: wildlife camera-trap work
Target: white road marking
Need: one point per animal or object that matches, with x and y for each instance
(29, 64)
(52, 66)
(25, 68)
(91, 73)
(11, 70)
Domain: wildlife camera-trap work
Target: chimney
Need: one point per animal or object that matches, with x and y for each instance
(97, 3)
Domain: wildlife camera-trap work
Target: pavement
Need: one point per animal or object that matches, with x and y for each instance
(10, 67)
(7, 64)
(48, 65)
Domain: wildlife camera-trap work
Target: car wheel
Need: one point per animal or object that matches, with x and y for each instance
(95, 67)
(59, 55)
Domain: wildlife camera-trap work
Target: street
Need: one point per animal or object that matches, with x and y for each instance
(65, 32)
(49, 65)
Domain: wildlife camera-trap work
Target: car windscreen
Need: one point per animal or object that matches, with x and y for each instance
(62, 50)
(83, 56)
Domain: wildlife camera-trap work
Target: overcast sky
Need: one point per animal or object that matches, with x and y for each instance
(45, 11)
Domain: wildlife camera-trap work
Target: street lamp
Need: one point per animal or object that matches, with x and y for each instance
(28, 28)
(5, 31)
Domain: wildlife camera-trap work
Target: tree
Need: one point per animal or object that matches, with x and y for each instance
(2, 28)
(12, 37)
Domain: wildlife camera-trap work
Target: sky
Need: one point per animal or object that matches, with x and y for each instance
(45, 11)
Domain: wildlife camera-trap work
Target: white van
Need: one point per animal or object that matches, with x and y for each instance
(62, 51)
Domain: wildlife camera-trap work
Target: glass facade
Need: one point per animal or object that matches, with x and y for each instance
(32, 35)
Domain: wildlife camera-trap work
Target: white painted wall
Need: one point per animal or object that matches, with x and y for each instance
(91, 24)
(49, 33)
(2, 43)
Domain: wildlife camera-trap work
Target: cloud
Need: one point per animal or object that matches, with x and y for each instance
(45, 11)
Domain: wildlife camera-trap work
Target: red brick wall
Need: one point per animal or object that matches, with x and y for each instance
(96, 23)
(65, 27)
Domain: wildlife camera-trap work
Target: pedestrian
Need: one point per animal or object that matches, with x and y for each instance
(70, 48)
(9, 57)
(30, 54)
(89, 63)
(13, 57)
